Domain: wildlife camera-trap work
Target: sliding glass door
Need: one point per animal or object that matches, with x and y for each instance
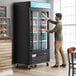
(39, 37)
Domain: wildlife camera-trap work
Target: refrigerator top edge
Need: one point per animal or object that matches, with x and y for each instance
(40, 5)
(35, 4)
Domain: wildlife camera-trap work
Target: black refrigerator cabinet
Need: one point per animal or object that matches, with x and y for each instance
(30, 44)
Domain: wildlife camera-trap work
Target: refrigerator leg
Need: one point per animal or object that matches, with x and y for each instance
(34, 65)
(47, 64)
(17, 65)
(29, 67)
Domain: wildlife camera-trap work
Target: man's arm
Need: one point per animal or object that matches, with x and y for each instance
(48, 19)
(54, 22)
(51, 31)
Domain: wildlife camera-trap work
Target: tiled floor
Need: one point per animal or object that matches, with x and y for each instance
(7, 72)
(41, 70)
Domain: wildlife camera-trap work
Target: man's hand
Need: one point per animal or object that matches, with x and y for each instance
(43, 14)
(44, 30)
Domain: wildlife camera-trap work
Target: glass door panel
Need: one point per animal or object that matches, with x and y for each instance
(39, 38)
(36, 31)
(44, 45)
(44, 34)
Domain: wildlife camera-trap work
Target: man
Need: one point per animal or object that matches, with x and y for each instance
(58, 38)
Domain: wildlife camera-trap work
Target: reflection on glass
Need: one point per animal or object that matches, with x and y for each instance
(35, 45)
(34, 37)
(43, 21)
(43, 37)
(34, 21)
(34, 28)
(39, 45)
(34, 14)
(43, 27)
(44, 45)
(39, 38)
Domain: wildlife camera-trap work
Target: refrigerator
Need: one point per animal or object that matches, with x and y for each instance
(30, 44)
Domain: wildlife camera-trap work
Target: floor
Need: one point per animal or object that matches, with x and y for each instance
(40, 70)
(7, 72)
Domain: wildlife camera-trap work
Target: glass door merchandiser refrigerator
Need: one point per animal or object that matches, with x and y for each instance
(30, 44)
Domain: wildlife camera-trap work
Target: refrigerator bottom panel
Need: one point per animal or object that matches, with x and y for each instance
(40, 59)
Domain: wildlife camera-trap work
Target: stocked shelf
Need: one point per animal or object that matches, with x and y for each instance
(40, 41)
(4, 27)
(3, 11)
(35, 17)
(39, 37)
(2, 23)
